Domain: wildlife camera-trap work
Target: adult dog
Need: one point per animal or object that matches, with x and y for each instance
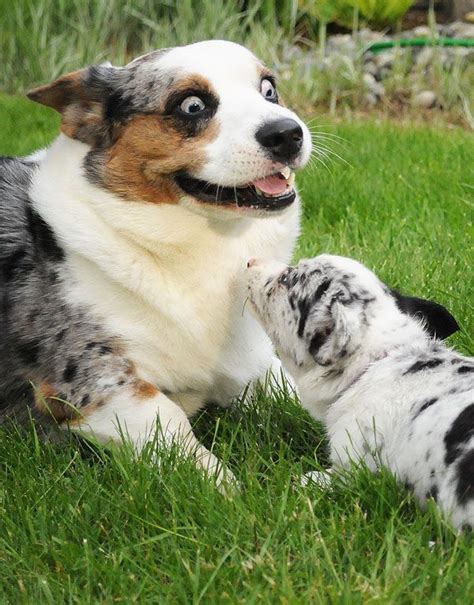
(123, 250)
(388, 392)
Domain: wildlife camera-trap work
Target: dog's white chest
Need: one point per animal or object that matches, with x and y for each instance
(183, 314)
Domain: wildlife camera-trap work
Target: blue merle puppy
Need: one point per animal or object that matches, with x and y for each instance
(370, 364)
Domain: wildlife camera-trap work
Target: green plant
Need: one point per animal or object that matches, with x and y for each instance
(382, 12)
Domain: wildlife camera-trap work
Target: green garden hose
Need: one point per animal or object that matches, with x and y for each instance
(377, 47)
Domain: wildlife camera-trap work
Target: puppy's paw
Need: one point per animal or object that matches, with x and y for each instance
(320, 478)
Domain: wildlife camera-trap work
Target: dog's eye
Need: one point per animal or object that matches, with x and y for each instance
(192, 105)
(284, 278)
(268, 91)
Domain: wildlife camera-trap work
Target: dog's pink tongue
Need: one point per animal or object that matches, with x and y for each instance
(273, 185)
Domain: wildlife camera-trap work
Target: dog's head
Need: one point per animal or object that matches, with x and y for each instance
(199, 124)
(323, 309)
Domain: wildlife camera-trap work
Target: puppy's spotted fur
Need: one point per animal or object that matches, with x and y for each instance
(123, 245)
(370, 364)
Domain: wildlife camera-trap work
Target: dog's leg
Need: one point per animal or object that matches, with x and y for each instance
(100, 393)
(136, 414)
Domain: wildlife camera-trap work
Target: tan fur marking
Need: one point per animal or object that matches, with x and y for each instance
(48, 402)
(60, 93)
(145, 390)
(151, 149)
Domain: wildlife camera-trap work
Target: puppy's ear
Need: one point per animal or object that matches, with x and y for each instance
(438, 320)
(81, 98)
(329, 342)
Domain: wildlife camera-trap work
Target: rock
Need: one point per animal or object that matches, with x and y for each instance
(458, 29)
(425, 57)
(425, 99)
(371, 68)
(373, 87)
(371, 99)
(422, 31)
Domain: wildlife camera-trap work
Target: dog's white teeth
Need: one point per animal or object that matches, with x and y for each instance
(286, 172)
(291, 180)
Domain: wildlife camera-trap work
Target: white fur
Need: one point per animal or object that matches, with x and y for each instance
(375, 406)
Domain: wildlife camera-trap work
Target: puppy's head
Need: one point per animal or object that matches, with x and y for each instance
(322, 310)
(199, 125)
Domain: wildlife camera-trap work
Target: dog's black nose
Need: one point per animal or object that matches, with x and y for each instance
(282, 138)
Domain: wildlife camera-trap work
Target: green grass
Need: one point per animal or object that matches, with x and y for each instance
(85, 526)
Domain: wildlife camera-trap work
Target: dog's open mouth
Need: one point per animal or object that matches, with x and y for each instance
(273, 192)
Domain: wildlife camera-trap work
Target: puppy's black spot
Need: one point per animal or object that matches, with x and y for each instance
(432, 473)
(465, 476)
(303, 307)
(460, 432)
(317, 341)
(29, 352)
(85, 399)
(320, 290)
(91, 345)
(465, 369)
(425, 406)
(432, 493)
(426, 364)
(105, 350)
(60, 335)
(43, 237)
(70, 371)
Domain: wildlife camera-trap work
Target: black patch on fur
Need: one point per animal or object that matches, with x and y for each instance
(85, 399)
(105, 350)
(303, 307)
(439, 322)
(60, 335)
(317, 341)
(43, 236)
(321, 289)
(460, 432)
(465, 369)
(432, 493)
(15, 264)
(91, 345)
(465, 472)
(118, 107)
(29, 352)
(425, 406)
(427, 364)
(70, 371)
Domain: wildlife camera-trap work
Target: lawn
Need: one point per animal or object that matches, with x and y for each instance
(79, 525)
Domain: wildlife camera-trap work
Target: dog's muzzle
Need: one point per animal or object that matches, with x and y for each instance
(272, 193)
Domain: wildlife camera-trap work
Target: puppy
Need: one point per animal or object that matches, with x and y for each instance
(368, 362)
(123, 245)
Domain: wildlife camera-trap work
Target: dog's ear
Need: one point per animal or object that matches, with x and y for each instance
(329, 342)
(81, 98)
(437, 319)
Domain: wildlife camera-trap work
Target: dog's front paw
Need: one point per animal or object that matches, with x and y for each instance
(320, 478)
